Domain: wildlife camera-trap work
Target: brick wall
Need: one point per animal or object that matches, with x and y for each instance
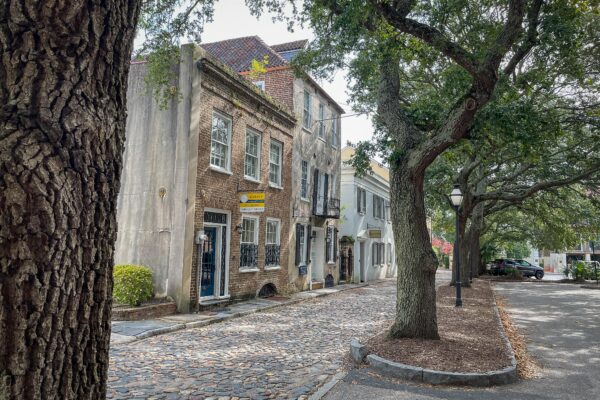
(218, 190)
(279, 84)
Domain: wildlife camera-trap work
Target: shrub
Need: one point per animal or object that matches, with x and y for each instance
(579, 271)
(514, 273)
(132, 284)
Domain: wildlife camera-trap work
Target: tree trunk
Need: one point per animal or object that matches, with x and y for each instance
(475, 230)
(417, 263)
(63, 77)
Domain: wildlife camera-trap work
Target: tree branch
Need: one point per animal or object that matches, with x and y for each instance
(533, 14)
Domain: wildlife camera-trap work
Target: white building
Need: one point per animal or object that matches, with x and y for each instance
(366, 238)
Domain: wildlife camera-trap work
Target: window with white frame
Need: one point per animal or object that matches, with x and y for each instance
(252, 161)
(378, 253)
(334, 130)
(304, 181)
(275, 161)
(378, 207)
(321, 121)
(331, 244)
(306, 116)
(361, 200)
(220, 146)
(272, 244)
(301, 243)
(249, 242)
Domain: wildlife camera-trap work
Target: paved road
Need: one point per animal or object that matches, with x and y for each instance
(283, 353)
(563, 324)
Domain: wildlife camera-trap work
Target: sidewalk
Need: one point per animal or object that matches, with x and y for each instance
(130, 331)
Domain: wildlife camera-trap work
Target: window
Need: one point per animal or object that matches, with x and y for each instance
(275, 163)
(331, 244)
(333, 187)
(388, 210)
(389, 253)
(272, 245)
(304, 181)
(334, 130)
(252, 161)
(321, 121)
(303, 233)
(260, 85)
(378, 207)
(378, 253)
(249, 243)
(306, 117)
(220, 141)
(320, 191)
(361, 200)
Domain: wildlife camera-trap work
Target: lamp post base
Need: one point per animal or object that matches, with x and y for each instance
(458, 294)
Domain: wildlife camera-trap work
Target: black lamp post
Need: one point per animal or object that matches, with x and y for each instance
(456, 199)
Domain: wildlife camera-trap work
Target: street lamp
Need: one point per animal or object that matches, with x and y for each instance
(456, 198)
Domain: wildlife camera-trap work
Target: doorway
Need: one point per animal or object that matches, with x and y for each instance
(361, 260)
(213, 257)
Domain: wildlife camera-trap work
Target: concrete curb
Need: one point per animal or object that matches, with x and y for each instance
(217, 319)
(433, 377)
(323, 390)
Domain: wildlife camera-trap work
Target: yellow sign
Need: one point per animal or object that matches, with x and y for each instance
(375, 233)
(252, 202)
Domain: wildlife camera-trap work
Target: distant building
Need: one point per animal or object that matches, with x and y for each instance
(557, 260)
(367, 240)
(315, 199)
(207, 185)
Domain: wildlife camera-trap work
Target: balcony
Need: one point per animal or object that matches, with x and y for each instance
(325, 207)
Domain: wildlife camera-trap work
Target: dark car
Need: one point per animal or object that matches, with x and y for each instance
(527, 269)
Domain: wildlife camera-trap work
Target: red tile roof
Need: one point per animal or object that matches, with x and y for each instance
(238, 53)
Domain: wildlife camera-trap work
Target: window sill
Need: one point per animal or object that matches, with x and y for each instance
(244, 270)
(334, 147)
(322, 139)
(221, 170)
(274, 186)
(305, 129)
(305, 200)
(249, 178)
(331, 263)
(272, 267)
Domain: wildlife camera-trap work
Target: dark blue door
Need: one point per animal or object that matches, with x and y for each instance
(209, 253)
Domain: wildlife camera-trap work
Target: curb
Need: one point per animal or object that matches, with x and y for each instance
(323, 390)
(410, 372)
(202, 323)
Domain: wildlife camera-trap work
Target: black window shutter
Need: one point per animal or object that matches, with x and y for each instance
(326, 191)
(335, 244)
(308, 242)
(315, 189)
(364, 200)
(374, 205)
(299, 228)
(358, 200)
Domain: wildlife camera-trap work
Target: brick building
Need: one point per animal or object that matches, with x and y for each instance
(206, 185)
(315, 204)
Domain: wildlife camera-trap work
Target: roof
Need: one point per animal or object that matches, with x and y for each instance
(378, 168)
(289, 46)
(238, 53)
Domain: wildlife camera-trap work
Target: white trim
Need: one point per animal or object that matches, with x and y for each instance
(271, 219)
(227, 256)
(307, 179)
(278, 185)
(220, 170)
(272, 267)
(248, 269)
(259, 148)
(229, 137)
(256, 218)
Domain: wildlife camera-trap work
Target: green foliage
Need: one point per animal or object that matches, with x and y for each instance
(132, 284)
(160, 78)
(579, 271)
(258, 67)
(514, 273)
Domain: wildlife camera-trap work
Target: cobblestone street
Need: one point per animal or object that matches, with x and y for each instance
(284, 353)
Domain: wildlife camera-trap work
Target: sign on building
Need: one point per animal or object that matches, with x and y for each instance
(375, 233)
(252, 202)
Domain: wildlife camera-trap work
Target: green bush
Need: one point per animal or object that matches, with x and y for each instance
(132, 284)
(514, 273)
(580, 272)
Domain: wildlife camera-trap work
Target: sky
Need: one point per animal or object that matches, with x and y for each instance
(232, 19)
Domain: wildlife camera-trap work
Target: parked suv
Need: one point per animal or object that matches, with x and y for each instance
(527, 269)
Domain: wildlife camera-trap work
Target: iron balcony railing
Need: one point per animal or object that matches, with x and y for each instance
(326, 207)
(249, 255)
(272, 255)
